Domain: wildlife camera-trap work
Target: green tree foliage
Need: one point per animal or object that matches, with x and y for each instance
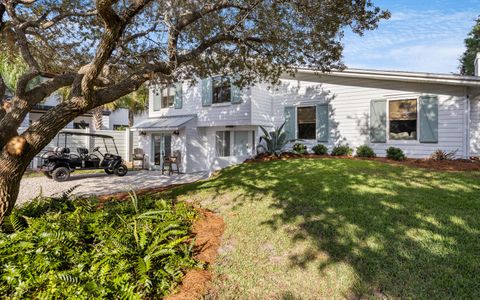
(472, 43)
(136, 103)
(11, 68)
(104, 50)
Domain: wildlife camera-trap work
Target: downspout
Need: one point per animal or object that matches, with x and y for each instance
(467, 125)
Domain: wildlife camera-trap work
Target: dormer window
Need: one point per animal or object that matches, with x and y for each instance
(221, 89)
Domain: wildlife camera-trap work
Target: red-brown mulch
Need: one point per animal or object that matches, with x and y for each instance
(207, 232)
(439, 165)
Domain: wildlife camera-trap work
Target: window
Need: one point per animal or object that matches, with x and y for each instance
(80, 125)
(241, 144)
(168, 96)
(221, 89)
(306, 122)
(222, 143)
(236, 143)
(403, 119)
(164, 98)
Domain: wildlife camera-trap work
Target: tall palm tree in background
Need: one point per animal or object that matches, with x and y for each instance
(136, 103)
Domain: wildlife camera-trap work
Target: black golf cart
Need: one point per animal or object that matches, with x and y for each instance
(60, 162)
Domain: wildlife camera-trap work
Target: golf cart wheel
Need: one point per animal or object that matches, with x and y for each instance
(48, 174)
(121, 170)
(61, 174)
(109, 171)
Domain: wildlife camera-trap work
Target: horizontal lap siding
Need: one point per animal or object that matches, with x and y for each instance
(214, 115)
(350, 107)
(261, 105)
(475, 127)
(120, 140)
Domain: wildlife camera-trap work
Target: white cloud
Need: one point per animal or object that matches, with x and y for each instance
(429, 41)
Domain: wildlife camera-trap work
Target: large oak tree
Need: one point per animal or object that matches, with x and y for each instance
(105, 49)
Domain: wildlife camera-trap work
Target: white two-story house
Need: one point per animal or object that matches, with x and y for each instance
(214, 123)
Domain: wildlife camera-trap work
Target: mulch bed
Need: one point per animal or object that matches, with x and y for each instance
(207, 232)
(442, 165)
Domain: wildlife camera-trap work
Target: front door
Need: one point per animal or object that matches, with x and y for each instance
(162, 146)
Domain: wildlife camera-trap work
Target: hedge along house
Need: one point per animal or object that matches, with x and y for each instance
(214, 123)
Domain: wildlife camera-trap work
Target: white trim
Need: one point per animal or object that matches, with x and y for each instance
(404, 141)
(467, 125)
(314, 105)
(251, 133)
(415, 77)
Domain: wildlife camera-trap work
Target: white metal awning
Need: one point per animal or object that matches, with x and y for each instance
(163, 123)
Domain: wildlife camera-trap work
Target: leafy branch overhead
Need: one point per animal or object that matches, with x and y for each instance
(103, 50)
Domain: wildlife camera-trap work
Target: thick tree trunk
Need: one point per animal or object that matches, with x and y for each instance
(11, 172)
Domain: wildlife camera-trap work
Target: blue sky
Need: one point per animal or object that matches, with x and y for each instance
(421, 35)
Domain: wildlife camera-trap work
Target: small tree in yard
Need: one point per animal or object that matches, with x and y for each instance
(103, 50)
(472, 45)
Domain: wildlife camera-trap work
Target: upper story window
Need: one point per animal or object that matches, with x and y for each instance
(164, 98)
(221, 89)
(306, 122)
(402, 117)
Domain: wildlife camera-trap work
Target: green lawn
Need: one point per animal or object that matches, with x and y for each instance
(337, 228)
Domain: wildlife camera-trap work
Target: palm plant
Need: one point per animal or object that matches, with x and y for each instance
(135, 103)
(274, 140)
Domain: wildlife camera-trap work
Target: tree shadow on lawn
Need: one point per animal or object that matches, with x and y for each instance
(406, 232)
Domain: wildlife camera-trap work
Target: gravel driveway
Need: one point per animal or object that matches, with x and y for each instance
(98, 184)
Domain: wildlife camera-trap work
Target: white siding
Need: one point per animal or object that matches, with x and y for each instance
(475, 127)
(349, 101)
(214, 162)
(262, 105)
(214, 115)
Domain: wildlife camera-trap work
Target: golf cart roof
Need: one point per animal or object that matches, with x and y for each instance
(104, 136)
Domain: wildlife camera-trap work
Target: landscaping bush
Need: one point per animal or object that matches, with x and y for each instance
(320, 149)
(342, 150)
(299, 148)
(395, 153)
(60, 248)
(443, 155)
(365, 151)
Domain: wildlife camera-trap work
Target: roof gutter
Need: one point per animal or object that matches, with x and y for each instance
(455, 80)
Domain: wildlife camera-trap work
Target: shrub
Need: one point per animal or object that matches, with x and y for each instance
(395, 153)
(365, 151)
(320, 149)
(342, 150)
(56, 248)
(443, 155)
(299, 148)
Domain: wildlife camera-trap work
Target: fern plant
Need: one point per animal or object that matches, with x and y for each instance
(59, 247)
